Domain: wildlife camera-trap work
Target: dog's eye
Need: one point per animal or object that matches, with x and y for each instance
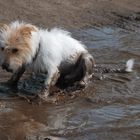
(14, 50)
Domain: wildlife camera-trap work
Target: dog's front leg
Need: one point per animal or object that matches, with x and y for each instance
(51, 79)
(12, 82)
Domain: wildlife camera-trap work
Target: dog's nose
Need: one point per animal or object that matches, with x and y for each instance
(5, 66)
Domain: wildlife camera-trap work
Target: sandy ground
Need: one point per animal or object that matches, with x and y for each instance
(70, 13)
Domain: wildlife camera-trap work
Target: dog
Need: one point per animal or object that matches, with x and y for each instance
(53, 52)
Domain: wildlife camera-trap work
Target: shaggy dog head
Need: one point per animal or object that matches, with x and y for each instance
(17, 45)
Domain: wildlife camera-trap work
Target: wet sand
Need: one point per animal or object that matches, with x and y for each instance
(105, 109)
(71, 14)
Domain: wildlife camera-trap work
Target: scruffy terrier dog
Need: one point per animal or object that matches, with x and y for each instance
(52, 52)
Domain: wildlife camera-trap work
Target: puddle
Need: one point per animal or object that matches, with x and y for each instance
(107, 109)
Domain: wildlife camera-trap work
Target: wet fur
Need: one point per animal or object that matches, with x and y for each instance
(78, 71)
(59, 55)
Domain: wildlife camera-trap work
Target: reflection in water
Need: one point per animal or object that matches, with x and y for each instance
(107, 109)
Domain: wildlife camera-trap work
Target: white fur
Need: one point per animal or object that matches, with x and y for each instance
(56, 46)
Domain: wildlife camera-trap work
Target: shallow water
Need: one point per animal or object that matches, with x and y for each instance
(106, 109)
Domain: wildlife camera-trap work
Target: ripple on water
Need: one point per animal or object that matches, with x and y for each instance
(111, 117)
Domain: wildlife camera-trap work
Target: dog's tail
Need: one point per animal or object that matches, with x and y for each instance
(129, 65)
(128, 68)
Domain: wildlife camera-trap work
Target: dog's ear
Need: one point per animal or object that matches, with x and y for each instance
(27, 30)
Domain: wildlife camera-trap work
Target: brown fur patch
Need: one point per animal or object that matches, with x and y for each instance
(22, 34)
(26, 30)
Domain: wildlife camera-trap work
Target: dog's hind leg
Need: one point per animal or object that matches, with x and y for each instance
(88, 66)
(82, 71)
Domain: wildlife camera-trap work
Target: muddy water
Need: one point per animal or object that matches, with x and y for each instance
(106, 109)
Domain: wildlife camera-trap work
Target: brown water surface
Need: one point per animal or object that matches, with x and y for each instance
(106, 109)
